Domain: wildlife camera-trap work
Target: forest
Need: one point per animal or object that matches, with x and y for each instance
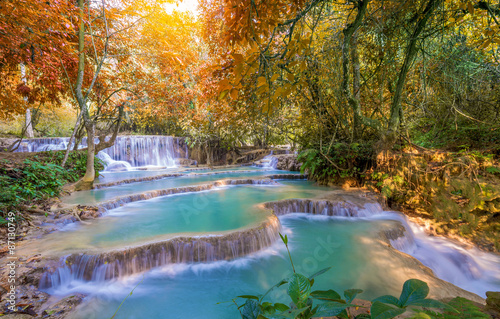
(377, 103)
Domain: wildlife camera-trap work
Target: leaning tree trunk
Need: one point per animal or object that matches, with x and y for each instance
(390, 135)
(356, 132)
(87, 182)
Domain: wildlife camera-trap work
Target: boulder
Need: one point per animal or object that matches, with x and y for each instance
(288, 162)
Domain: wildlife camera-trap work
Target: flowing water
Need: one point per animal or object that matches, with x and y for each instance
(128, 152)
(193, 290)
(186, 252)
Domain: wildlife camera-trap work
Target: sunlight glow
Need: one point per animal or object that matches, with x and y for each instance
(183, 6)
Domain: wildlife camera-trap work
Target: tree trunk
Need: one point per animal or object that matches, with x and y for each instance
(87, 182)
(29, 125)
(28, 122)
(71, 139)
(411, 52)
(352, 101)
(207, 151)
(356, 76)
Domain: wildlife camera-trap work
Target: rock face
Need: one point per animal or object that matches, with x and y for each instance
(5, 143)
(288, 162)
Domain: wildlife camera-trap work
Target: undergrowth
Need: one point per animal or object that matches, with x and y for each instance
(459, 191)
(39, 178)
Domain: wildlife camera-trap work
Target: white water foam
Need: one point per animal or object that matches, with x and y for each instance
(126, 153)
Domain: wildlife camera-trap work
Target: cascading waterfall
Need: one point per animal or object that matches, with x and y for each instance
(119, 263)
(269, 161)
(43, 144)
(144, 150)
(126, 153)
(472, 269)
(469, 269)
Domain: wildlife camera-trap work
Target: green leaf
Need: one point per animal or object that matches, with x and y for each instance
(431, 303)
(383, 311)
(322, 271)
(413, 289)
(332, 308)
(284, 239)
(279, 284)
(350, 294)
(250, 310)
(388, 299)
(421, 315)
(268, 308)
(466, 308)
(331, 295)
(289, 314)
(299, 288)
(248, 297)
(281, 307)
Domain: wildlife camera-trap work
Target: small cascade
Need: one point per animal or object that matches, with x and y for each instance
(43, 144)
(269, 161)
(287, 176)
(136, 180)
(134, 260)
(469, 269)
(323, 207)
(466, 268)
(126, 153)
(112, 165)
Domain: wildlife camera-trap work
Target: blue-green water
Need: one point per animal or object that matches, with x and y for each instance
(351, 246)
(223, 209)
(193, 291)
(99, 195)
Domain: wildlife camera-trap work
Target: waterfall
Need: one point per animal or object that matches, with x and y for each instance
(269, 161)
(43, 144)
(132, 260)
(126, 153)
(471, 269)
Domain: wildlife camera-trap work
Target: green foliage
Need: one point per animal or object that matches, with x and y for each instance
(493, 170)
(77, 163)
(456, 138)
(39, 179)
(336, 161)
(466, 310)
(300, 292)
(306, 303)
(414, 294)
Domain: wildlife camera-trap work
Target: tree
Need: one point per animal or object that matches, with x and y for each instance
(35, 37)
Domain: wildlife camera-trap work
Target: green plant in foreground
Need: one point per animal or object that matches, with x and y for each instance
(413, 295)
(306, 303)
(466, 310)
